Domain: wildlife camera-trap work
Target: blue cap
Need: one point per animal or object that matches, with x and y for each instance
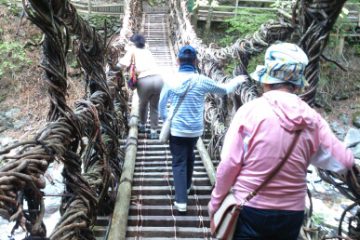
(187, 52)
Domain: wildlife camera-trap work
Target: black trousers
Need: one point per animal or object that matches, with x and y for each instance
(183, 157)
(263, 224)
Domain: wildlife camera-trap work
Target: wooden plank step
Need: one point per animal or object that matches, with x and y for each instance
(165, 181)
(166, 210)
(164, 162)
(158, 158)
(167, 200)
(168, 221)
(173, 232)
(153, 151)
(165, 169)
(160, 48)
(100, 231)
(143, 141)
(161, 174)
(160, 162)
(152, 190)
(153, 147)
(103, 220)
(144, 145)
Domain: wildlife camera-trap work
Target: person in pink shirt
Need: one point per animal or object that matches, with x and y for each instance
(260, 135)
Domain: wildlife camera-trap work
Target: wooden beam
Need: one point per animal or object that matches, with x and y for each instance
(205, 157)
(121, 210)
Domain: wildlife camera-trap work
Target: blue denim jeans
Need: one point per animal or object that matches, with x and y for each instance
(263, 224)
(183, 157)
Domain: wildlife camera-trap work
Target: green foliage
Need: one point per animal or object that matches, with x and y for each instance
(13, 58)
(230, 67)
(318, 219)
(247, 21)
(254, 61)
(282, 4)
(13, 6)
(152, 2)
(2, 98)
(343, 24)
(98, 21)
(356, 48)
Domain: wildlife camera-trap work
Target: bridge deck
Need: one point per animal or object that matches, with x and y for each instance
(149, 212)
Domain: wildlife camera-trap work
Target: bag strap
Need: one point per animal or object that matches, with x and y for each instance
(276, 169)
(132, 61)
(180, 101)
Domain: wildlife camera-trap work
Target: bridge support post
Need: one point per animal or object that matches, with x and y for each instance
(89, 9)
(194, 18)
(208, 21)
(340, 46)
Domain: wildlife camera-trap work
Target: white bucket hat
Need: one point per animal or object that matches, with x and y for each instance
(284, 62)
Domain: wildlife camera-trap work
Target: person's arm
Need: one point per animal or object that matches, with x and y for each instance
(125, 61)
(211, 86)
(232, 155)
(163, 102)
(332, 153)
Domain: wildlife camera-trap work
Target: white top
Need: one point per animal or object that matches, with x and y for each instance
(144, 61)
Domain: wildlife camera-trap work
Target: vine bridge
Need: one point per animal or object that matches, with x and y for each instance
(117, 182)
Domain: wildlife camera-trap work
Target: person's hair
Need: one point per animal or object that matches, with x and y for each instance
(187, 61)
(138, 40)
(289, 86)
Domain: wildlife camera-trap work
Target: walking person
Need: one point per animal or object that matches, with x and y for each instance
(149, 82)
(259, 136)
(187, 125)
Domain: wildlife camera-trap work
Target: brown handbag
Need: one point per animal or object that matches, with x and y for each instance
(223, 222)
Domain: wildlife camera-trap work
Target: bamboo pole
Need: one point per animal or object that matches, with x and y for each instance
(205, 157)
(121, 211)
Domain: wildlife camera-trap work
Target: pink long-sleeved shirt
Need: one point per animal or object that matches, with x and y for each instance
(259, 136)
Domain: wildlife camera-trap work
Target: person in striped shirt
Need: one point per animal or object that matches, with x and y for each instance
(187, 125)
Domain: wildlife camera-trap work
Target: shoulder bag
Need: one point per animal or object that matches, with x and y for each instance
(133, 78)
(223, 222)
(165, 129)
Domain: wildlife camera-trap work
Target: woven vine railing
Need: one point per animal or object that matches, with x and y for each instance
(83, 139)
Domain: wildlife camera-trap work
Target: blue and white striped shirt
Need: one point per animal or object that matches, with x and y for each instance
(189, 118)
